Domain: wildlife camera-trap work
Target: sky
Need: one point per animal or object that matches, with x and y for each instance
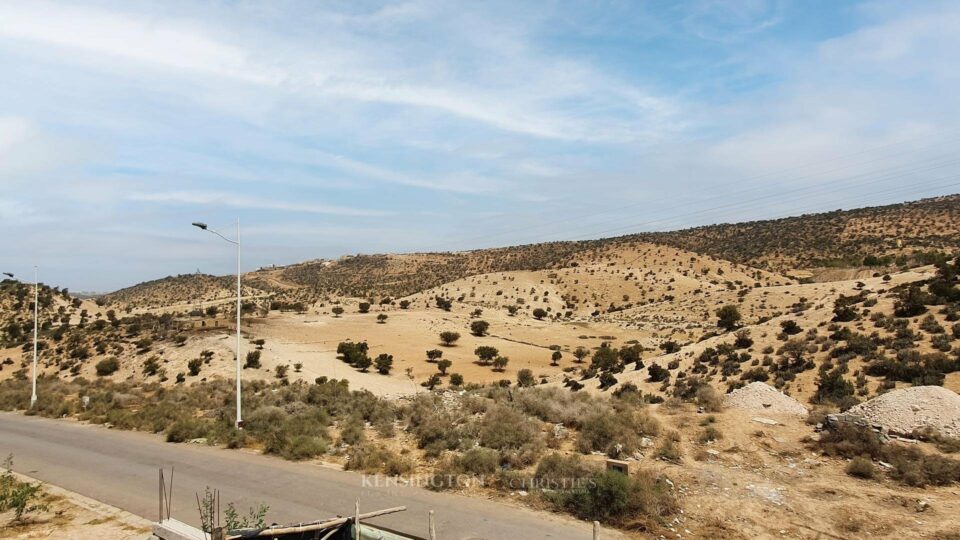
(332, 128)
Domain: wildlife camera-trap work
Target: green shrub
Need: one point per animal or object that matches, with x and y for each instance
(303, 447)
(640, 502)
(23, 497)
(479, 461)
(107, 366)
(186, 429)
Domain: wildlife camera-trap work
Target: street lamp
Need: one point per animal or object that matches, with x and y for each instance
(203, 226)
(36, 310)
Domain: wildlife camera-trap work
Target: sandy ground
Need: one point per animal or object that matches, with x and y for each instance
(71, 515)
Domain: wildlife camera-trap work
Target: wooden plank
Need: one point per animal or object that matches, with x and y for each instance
(171, 529)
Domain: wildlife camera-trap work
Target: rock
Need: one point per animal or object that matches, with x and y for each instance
(766, 421)
(902, 411)
(758, 396)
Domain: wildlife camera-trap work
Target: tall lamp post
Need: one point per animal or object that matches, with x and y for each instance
(36, 311)
(204, 227)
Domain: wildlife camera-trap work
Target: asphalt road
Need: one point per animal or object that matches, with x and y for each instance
(120, 468)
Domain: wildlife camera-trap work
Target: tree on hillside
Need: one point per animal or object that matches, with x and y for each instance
(382, 318)
(605, 358)
(337, 311)
(443, 364)
(500, 363)
(525, 378)
(404, 304)
(539, 313)
(449, 338)
(657, 373)
(363, 363)
(728, 317)
(364, 307)
(384, 363)
(479, 328)
(486, 353)
(580, 353)
(555, 358)
(434, 354)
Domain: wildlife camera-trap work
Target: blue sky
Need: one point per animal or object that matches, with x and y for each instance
(360, 127)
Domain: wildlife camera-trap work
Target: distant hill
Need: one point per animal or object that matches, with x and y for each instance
(841, 238)
(182, 289)
(877, 236)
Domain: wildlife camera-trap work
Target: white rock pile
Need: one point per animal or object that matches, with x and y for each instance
(907, 409)
(758, 396)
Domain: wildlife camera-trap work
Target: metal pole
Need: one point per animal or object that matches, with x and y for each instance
(239, 415)
(36, 311)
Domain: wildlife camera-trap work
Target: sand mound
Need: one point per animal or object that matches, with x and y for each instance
(759, 396)
(902, 411)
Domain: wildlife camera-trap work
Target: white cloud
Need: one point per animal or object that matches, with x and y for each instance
(213, 198)
(522, 94)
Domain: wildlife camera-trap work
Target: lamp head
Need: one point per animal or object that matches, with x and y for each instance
(8, 274)
(200, 225)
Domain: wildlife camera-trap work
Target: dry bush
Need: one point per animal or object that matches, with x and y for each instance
(372, 458)
(861, 467)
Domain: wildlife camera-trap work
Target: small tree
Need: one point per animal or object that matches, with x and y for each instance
(605, 359)
(790, 327)
(479, 328)
(555, 358)
(404, 304)
(337, 311)
(433, 381)
(525, 378)
(449, 338)
(443, 365)
(486, 353)
(539, 313)
(512, 310)
(384, 363)
(382, 318)
(260, 343)
(728, 317)
(363, 362)
(281, 371)
(456, 379)
(580, 353)
(364, 307)
(657, 373)
(500, 363)
(434, 354)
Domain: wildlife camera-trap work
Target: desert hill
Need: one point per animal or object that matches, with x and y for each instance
(850, 243)
(844, 238)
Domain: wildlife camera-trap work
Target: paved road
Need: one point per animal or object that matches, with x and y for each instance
(120, 468)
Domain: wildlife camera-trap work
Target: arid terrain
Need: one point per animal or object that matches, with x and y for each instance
(542, 361)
